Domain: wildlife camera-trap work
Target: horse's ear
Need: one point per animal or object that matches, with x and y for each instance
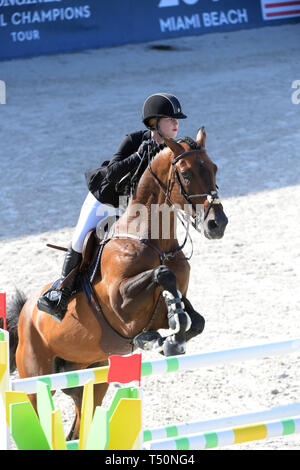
(201, 137)
(176, 148)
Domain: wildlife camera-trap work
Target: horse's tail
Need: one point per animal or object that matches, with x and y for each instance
(12, 318)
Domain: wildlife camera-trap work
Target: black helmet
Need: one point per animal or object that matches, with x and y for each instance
(162, 105)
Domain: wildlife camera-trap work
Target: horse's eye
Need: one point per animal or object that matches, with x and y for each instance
(187, 176)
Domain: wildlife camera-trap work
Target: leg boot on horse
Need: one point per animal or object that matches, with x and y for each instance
(55, 300)
(168, 341)
(198, 322)
(178, 319)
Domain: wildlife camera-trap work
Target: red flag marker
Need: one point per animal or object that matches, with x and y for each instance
(125, 369)
(3, 309)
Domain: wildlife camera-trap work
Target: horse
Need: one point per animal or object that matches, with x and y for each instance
(141, 283)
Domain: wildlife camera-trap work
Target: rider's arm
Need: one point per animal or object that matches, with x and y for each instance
(126, 158)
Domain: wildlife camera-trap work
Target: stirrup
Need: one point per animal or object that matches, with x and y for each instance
(54, 301)
(51, 310)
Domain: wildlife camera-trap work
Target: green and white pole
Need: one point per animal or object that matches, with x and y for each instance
(161, 366)
(195, 361)
(196, 427)
(228, 437)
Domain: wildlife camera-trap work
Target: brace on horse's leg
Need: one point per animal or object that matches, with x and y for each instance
(179, 320)
(198, 321)
(172, 341)
(153, 341)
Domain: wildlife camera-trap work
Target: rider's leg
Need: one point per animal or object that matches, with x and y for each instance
(92, 213)
(55, 300)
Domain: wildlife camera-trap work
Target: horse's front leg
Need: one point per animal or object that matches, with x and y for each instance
(179, 320)
(134, 293)
(134, 290)
(197, 320)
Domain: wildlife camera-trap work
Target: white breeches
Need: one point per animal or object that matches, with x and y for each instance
(92, 212)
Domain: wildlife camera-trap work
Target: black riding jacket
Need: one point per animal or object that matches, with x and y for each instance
(102, 181)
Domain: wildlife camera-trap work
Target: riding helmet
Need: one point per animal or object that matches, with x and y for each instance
(162, 105)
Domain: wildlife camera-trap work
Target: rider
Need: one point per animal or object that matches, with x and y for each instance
(160, 115)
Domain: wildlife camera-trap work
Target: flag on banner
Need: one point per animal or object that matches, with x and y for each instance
(3, 310)
(272, 10)
(125, 369)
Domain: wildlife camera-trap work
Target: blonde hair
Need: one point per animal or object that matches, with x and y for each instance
(152, 123)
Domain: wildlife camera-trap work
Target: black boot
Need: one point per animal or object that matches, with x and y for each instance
(55, 300)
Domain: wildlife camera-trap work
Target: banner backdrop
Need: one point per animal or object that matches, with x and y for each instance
(37, 27)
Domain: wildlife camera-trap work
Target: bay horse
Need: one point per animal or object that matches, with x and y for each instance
(141, 283)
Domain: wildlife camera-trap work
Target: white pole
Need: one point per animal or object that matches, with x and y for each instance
(162, 366)
(226, 437)
(194, 361)
(278, 412)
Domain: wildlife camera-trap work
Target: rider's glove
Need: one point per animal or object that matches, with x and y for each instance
(144, 148)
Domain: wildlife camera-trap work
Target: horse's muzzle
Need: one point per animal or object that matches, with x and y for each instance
(214, 227)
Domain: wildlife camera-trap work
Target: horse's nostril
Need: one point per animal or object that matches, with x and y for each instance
(212, 225)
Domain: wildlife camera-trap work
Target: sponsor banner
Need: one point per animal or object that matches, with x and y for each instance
(186, 17)
(273, 10)
(36, 27)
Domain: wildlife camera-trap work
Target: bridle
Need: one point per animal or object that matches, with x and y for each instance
(212, 197)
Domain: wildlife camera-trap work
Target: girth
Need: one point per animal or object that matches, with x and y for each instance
(163, 256)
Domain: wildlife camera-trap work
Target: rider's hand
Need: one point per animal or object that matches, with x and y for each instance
(143, 148)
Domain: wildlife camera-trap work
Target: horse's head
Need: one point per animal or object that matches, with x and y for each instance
(194, 184)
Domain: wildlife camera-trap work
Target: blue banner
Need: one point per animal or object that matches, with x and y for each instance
(38, 27)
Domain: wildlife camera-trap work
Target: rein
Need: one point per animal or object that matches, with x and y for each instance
(211, 197)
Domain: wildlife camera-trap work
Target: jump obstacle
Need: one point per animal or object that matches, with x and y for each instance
(161, 366)
(120, 426)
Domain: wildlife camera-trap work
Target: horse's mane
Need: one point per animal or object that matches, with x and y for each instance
(152, 155)
(162, 149)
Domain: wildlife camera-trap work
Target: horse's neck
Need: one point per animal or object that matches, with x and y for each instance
(148, 214)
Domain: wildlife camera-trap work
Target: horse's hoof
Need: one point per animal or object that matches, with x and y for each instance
(149, 341)
(172, 348)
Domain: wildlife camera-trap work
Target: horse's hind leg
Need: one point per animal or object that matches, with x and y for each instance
(76, 394)
(33, 358)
